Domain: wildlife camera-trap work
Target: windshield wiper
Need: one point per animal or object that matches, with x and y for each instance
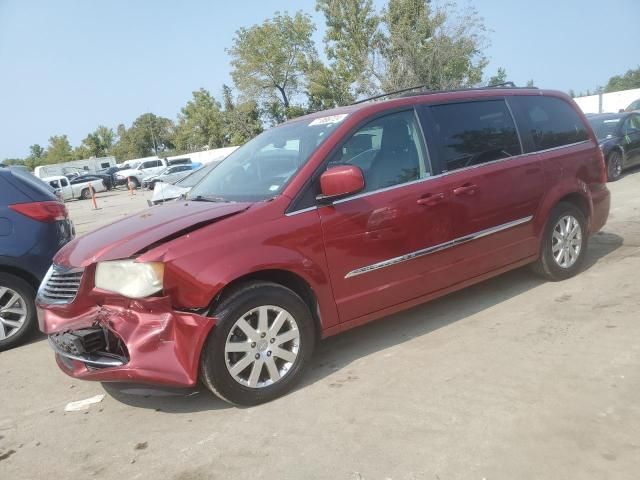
(207, 198)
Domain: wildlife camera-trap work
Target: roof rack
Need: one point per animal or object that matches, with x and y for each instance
(410, 92)
(389, 94)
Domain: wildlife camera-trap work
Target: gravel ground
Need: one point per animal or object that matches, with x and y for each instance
(513, 378)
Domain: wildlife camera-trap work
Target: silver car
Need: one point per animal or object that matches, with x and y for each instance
(168, 175)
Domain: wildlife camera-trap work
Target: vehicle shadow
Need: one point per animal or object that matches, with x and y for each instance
(337, 353)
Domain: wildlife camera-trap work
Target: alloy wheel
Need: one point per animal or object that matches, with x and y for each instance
(566, 241)
(13, 312)
(615, 165)
(262, 346)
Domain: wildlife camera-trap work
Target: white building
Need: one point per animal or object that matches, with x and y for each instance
(608, 102)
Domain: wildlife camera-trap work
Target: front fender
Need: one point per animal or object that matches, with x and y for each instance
(199, 265)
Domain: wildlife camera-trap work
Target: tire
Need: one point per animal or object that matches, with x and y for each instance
(85, 194)
(216, 363)
(10, 307)
(570, 262)
(135, 182)
(614, 166)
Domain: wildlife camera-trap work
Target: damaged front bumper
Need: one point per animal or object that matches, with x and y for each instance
(144, 341)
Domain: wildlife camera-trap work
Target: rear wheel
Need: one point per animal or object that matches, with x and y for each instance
(17, 310)
(85, 194)
(260, 346)
(614, 166)
(564, 243)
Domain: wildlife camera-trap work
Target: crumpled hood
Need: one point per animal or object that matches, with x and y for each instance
(128, 236)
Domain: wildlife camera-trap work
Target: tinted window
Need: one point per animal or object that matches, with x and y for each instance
(550, 121)
(474, 133)
(388, 150)
(151, 164)
(104, 165)
(604, 127)
(631, 125)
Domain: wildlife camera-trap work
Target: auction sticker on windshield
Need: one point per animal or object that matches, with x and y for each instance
(329, 120)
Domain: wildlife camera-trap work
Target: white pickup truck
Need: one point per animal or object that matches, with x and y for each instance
(69, 189)
(144, 169)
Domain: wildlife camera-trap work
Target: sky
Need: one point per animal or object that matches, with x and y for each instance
(71, 65)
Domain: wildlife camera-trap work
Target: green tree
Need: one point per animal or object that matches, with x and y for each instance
(631, 79)
(148, 135)
(241, 120)
(328, 87)
(200, 124)
(270, 60)
(351, 39)
(36, 151)
(498, 78)
(440, 47)
(14, 161)
(59, 149)
(98, 143)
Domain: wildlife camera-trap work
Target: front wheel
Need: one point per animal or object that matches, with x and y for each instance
(614, 166)
(564, 243)
(260, 346)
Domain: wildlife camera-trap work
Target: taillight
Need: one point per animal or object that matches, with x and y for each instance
(42, 211)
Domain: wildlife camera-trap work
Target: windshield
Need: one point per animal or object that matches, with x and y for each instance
(197, 175)
(604, 127)
(262, 167)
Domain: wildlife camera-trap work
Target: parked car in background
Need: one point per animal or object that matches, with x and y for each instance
(322, 224)
(635, 105)
(168, 175)
(107, 180)
(619, 138)
(33, 225)
(70, 189)
(164, 192)
(144, 169)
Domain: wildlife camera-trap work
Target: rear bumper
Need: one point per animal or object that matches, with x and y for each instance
(601, 201)
(161, 346)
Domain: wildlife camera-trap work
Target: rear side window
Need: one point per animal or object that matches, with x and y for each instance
(550, 122)
(474, 133)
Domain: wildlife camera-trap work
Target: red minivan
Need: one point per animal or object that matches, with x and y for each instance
(322, 224)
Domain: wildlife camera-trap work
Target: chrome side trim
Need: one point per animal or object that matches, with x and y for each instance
(102, 360)
(437, 248)
(304, 210)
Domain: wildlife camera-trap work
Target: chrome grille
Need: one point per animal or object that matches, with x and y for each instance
(60, 285)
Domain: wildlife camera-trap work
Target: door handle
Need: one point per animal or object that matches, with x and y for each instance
(466, 189)
(430, 199)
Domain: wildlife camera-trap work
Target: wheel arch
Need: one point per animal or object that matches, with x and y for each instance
(579, 201)
(570, 193)
(20, 273)
(286, 278)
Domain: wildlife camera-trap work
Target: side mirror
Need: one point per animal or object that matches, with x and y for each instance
(338, 182)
